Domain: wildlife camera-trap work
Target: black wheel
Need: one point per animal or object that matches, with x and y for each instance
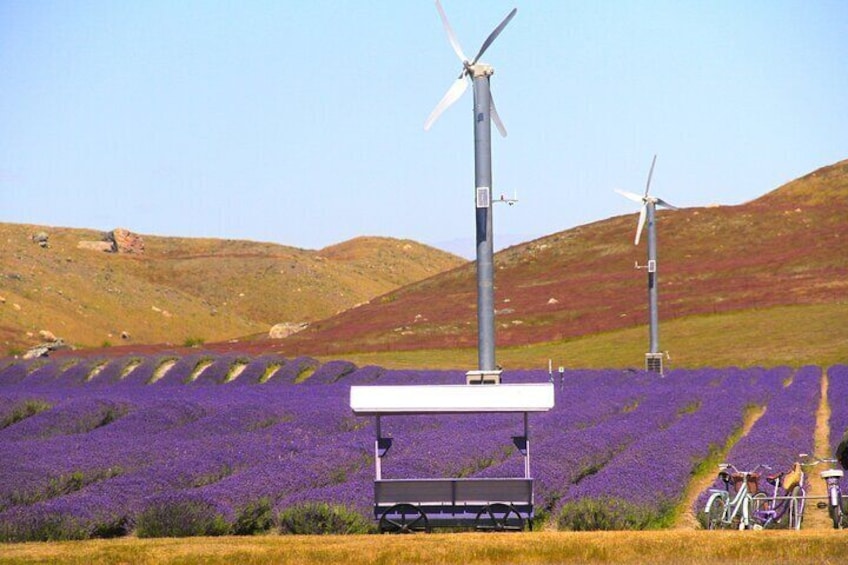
(715, 514)
(499, 517)
(404, 519)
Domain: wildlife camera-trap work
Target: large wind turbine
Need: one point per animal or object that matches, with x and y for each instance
(653, 359)
(484, 112)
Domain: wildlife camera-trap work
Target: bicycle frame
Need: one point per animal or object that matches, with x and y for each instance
(738, 507)
(832, 476)
(780, 503)
(834, 496)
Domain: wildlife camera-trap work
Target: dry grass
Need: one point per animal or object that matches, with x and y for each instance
(188, 288)
(657, 547)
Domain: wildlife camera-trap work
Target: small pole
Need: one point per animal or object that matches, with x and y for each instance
(378, 471)
(527, 443)
(561, 376)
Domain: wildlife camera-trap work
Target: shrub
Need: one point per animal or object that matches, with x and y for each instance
(42, 526)
(179, 515)
(24, 410)
(255, 518)
(321, 518)
(605, 514)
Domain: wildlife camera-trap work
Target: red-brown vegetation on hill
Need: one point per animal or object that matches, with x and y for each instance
(787, 247)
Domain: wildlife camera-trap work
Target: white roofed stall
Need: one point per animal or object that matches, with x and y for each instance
(403, 505)
(451, 399)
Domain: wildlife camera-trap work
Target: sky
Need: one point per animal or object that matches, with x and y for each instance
(301, 122)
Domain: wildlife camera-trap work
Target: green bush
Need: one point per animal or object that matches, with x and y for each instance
(177, 515)
(24, 410)
(321, 518)
(607, 514)
(255, 518)
(42, 526)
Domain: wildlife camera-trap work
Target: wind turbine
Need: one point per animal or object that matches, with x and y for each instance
(484, 113)
(647, 213)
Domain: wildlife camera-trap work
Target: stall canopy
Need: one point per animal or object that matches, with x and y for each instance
(442, 399)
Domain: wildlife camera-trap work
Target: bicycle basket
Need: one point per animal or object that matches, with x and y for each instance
(753, 479)
(793, 478)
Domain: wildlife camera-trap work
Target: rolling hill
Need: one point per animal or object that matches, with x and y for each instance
(787, 248)
(181, 290)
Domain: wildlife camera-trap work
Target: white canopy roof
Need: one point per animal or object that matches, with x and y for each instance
(435, 399)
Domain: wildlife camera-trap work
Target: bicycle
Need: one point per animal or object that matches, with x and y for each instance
(726, 511)
(785, 507)
(836, 506)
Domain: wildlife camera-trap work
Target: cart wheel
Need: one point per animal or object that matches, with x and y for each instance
(404, 519)
(499, 517)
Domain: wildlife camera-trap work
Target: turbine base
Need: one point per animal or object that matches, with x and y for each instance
(654, 362)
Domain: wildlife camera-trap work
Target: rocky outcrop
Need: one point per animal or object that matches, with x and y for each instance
(44, 349)
(41, 238)
(105, 246)
(285, 329)
(119, 240)
(126, 241)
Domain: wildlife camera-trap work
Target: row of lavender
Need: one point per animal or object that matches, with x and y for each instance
(838, 395)
(104, 454)
(785, 430)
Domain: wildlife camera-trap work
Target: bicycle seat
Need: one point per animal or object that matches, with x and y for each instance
(832, 474)
(774, 479)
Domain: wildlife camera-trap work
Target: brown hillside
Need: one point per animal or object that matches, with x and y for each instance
(183, 289)
(788, 247)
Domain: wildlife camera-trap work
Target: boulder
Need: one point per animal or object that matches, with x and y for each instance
(41, 238)
(44, 349)
(46, 335)
(285, 329)
(126, 241)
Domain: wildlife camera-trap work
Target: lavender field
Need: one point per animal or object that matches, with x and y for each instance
(220, 444)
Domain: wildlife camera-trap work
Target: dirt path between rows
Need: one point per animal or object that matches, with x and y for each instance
(817, 518)
(688, 520)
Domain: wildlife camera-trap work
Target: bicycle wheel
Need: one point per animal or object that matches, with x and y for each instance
(715, 514)
(761, 513)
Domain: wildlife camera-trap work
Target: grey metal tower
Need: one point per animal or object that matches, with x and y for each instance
(648, 213)
(484, 113)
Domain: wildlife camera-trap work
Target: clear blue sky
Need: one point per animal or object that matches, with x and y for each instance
(301, 123)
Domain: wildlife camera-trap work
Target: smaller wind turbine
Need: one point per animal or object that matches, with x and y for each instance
(647, 213)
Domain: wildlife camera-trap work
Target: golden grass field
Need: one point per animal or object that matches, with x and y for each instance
(655, 547)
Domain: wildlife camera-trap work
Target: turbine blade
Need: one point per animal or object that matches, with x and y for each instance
(492, 36)
(665, 204)
(650, 174)
(642, 215)
(495, 117)
(451, 35)
(453, 94)
(630, 196)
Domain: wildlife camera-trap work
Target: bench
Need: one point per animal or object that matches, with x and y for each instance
(485, 503)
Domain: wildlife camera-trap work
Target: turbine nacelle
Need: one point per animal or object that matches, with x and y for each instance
(471, 69)
(646, 201)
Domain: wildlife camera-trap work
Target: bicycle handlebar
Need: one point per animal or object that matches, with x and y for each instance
(812, 461)
(726, 466)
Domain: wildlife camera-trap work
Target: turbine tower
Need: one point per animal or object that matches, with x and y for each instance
(647, 213)
(484, 113)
